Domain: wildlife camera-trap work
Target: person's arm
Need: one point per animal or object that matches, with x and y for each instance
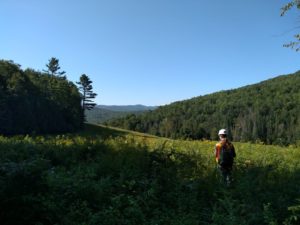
(233, 152)
(217, 153)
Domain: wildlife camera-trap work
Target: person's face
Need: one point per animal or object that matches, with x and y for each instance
(222, 137)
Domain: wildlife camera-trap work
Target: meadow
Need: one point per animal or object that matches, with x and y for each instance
(112, 176)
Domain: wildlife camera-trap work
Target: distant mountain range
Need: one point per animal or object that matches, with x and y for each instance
(103, 113)
(126, 108)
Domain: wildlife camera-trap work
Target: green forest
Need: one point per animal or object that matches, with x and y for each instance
(266, 112)
(101, 114)
(33, 102)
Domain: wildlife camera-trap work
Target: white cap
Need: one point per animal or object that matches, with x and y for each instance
(222, 132)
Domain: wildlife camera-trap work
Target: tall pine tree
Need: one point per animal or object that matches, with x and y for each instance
(86, 88)
(53, 68)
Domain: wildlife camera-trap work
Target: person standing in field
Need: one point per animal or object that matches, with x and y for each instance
(225, 154)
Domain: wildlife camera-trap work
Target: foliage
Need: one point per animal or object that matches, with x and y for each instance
(265, 112)
(289, 5)
(33, 102)
(105, 176)
(86, 88)
(101, 115)
(53, 68)
(284, 9)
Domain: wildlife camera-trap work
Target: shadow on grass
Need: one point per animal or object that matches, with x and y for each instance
(98, 184)
(128, 184)
(260, 194)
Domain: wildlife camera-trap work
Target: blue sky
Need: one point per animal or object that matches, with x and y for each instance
(152, 52)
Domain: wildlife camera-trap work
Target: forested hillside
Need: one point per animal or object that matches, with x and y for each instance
(127, 108)
(35, 102)
(103, 113)
(267, 112)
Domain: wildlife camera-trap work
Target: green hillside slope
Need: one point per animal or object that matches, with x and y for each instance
(102, 114)
(127, 108)
(98, 116)
(268, 112)
(112, 176)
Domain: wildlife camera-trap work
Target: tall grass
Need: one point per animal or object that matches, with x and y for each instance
(105, 176)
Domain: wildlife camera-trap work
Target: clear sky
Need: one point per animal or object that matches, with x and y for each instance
(152, 52)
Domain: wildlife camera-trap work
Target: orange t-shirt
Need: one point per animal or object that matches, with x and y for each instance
(219, 147)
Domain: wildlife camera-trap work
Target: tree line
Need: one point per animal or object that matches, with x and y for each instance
(33, 102)
(267, 112)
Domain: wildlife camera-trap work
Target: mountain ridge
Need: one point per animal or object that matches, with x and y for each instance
(103, 113)
(267, 111)
(125, 108)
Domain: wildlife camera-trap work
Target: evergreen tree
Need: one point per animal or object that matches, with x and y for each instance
(86, 88)
(53, 68)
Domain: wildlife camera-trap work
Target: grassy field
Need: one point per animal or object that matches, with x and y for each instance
(113, 176)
